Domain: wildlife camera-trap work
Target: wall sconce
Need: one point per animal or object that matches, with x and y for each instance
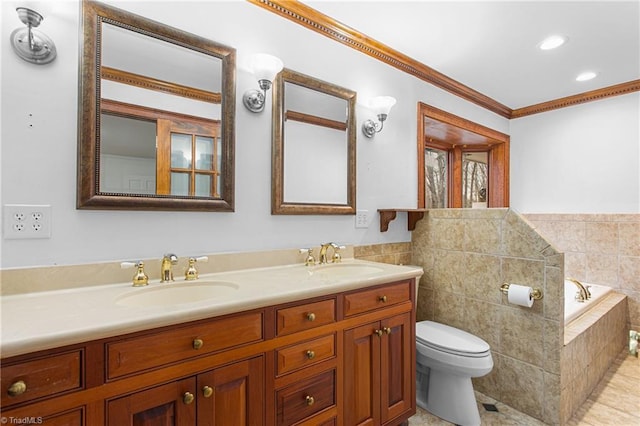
(381, 105)
(29, 44)
(265, 68)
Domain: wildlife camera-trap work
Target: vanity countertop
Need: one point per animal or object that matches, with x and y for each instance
(49, 319)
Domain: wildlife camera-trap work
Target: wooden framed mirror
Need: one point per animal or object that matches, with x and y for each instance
(314, 146)
(156, 116)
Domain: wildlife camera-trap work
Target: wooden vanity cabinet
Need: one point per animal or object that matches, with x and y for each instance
(342, 359)
(226, 396)
(379, 358)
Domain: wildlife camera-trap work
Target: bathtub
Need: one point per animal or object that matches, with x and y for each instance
(572, 308)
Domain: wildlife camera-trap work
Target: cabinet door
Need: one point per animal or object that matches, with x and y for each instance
(362, 375)
(396, 362)
(232, 395)
(172, 404)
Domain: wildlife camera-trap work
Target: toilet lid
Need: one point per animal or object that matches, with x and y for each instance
(449, 339)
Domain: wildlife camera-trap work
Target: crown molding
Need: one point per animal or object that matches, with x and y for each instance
(593, 95)
(329, 27)
(325, 25)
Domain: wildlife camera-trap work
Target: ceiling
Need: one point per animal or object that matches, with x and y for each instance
(491, 46)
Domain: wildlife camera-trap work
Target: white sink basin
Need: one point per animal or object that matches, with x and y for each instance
(343, 270)
(176, 293)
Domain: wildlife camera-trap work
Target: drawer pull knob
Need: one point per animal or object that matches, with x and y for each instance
(198, 343)
(378, 332)
(311, 354)
(383, 299)
(311, 316)
(310, 400)
(17, 388)
(188, 398)
(207, 391)
(386, 330)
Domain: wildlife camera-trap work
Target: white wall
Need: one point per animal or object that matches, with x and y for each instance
(580, 159)
(39, 125)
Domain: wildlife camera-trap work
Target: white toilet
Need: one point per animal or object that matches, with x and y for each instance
(447, 359)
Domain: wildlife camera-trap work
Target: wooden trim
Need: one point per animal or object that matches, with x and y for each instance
(138, 111)
(145, 82)
(325, 25)
(498, 158)
(313, 119)
(594, 95)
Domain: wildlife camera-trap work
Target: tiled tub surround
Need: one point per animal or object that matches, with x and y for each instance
(466, 255)
(591, 344)
(599, 248)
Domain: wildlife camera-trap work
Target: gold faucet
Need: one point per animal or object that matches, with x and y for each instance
(166, 271)
(309, 259)
(336, 254)
(583, 292)
(192, 273)
(140, 278)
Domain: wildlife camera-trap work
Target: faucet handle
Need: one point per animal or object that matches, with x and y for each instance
(309, 260)
(139, 278)
(192, 273)
(337, 257)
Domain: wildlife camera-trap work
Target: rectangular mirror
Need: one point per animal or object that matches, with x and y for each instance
(157, 116)
(313, 146)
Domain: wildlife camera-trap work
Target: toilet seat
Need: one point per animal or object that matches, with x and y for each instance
(450, 340)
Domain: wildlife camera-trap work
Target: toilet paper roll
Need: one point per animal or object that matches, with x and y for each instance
(520, 295)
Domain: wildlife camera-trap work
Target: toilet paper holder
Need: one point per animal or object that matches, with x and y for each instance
(536, 294)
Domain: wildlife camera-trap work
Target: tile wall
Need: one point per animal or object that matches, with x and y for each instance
(466, 255)
(599, 249)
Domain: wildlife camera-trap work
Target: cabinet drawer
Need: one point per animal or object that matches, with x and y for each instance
(306, 398)
(379, 297)
(305, 354)
(306, 316)
(41, 377)
(174, 345)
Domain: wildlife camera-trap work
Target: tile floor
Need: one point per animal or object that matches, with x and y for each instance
(615, 401)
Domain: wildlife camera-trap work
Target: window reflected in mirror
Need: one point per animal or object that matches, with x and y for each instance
(157, 114)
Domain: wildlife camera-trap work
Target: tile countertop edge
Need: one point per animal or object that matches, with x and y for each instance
(79, 322)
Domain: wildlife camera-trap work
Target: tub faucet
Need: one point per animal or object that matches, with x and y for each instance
(583, 292)
(166, 271)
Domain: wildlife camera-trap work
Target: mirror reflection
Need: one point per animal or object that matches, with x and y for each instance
(164, 102)
(314, 146)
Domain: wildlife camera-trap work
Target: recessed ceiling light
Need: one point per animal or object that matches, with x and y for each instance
(553, 42)
(587, 75)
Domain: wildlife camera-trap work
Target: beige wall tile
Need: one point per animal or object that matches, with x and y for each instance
(482, 236)
(451, 234)
(522, 386)
(629, 273)
(521, 336)
(602, 269)
(601, 237)
(449, 271)
(483, 277)
(481, 319)
(629, 235)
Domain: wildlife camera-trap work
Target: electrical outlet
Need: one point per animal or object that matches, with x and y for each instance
(362, 218)
(22, 221)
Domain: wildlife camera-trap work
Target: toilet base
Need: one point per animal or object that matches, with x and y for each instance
(451, 398)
